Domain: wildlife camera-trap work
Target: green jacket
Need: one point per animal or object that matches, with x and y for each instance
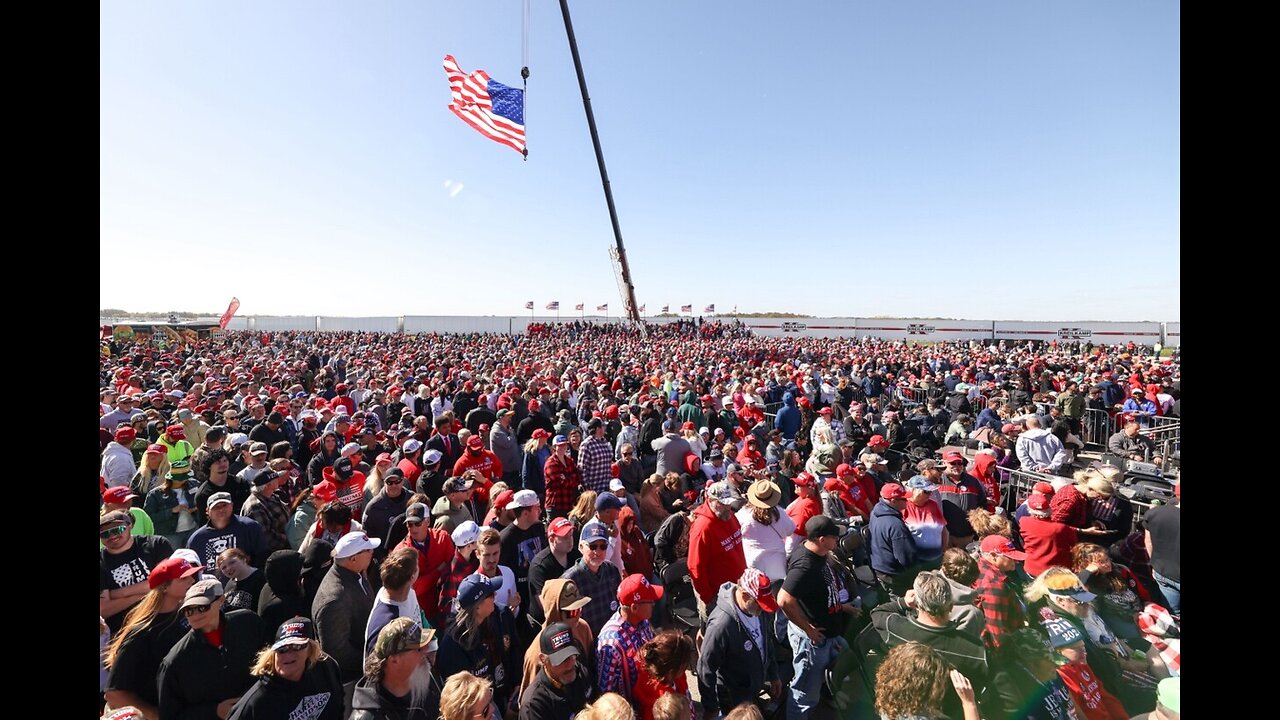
(1071, 404)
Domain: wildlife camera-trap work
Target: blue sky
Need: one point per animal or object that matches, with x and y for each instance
(1003, 160)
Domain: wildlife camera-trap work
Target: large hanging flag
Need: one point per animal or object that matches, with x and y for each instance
(578, 307)
(686, 308)
(231, 311)
(493, 109)
(710, 308)
(603, 308)
(528, 305)
(553, 305)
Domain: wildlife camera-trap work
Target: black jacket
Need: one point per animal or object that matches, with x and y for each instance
(238, 488)
(492, 654)
(282, 598)
(544, 701)
(317, 695)
(372, 702)
(195, 676)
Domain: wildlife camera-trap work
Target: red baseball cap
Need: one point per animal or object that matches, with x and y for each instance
(823, 411)
(844, 470)
(157, 448)
(503, 499)
(877, 440)
(539, 434)
(382, 457)
(688, 426)
(176, 432)
(326, 490)
(1038, 502)
(635, 588)
(118, 495)
(952, 456)
(170, 570)
(475, 443)
(1001, 545)
(1043, 488)
(561, 527)
(804, 479)
(892, 491)
(126, 435)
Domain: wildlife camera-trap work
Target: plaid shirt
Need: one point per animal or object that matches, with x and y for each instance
(617, 654)
(601, 586)
(595, 458)
(272, 515)
(999, 603)
(458, 569)
(562, 479)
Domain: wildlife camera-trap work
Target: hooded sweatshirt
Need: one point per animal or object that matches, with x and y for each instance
(282, 598)
(371, 701)
(715, 552)
(965, 614)
(734, 658)
(582, 635)
(788, 419)
(1039, 447)
(351, 492)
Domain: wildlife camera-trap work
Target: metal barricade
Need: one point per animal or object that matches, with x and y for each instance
(1099, 426)
(978, 403)
(1016, 485)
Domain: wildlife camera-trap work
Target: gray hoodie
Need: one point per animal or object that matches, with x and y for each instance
(967, 615)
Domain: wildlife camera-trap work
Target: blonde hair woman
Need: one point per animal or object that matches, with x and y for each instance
(290, 671)
(149, 631)
(584, 510)
(467, 697)
(609, 706)
(152, 469)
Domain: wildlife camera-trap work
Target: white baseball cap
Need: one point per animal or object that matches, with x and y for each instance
(354, 542)
(523, 498)
(412, 445)
(466, 533)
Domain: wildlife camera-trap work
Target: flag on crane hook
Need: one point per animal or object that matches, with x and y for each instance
(493, 109)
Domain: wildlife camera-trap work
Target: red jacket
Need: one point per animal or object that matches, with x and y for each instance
(1047, 543)
(343, 401)
(411, 471)
(1097, 703)
(432, 565)
(648, 689)
(715, 552)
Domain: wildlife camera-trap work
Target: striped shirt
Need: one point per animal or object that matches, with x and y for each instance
(617, 654)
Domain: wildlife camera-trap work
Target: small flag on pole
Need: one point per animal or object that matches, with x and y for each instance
(528, 305)
(686, 308)
(553, 305)
(493, 109)
(578, 307)
(710, 308)
(603, 308)
(666, 308)
(641, 308)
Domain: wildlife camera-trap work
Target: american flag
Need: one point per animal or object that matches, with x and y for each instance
(641, 308)
(686, 308)
(666, 308)
(528, 305)
(578, 307)
(493, 109)
(603, 308)
(553, 305)
(710, 308)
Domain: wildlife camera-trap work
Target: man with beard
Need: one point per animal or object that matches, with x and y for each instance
(560, 687)
(397, 676)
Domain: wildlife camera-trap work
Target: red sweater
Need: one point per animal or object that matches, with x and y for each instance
(1047, 543)
(715, 552)
(648, 689)
(801, 510)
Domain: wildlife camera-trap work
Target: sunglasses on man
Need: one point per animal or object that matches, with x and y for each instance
(113, 532)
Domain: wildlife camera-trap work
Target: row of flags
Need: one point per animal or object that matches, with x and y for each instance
(555, 305)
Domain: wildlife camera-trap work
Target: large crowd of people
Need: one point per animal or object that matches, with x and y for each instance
(597, 520)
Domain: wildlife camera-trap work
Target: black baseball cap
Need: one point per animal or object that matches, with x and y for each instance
(821, 526)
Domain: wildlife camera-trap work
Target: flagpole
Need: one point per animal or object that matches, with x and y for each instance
(604, 174)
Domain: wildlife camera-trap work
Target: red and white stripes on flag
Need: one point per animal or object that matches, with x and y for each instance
(686, 308)
(641, 308)
(603, 308)
(710, 308)
(473, 103)
(578, 307)
(528, 305)
(553, 305)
